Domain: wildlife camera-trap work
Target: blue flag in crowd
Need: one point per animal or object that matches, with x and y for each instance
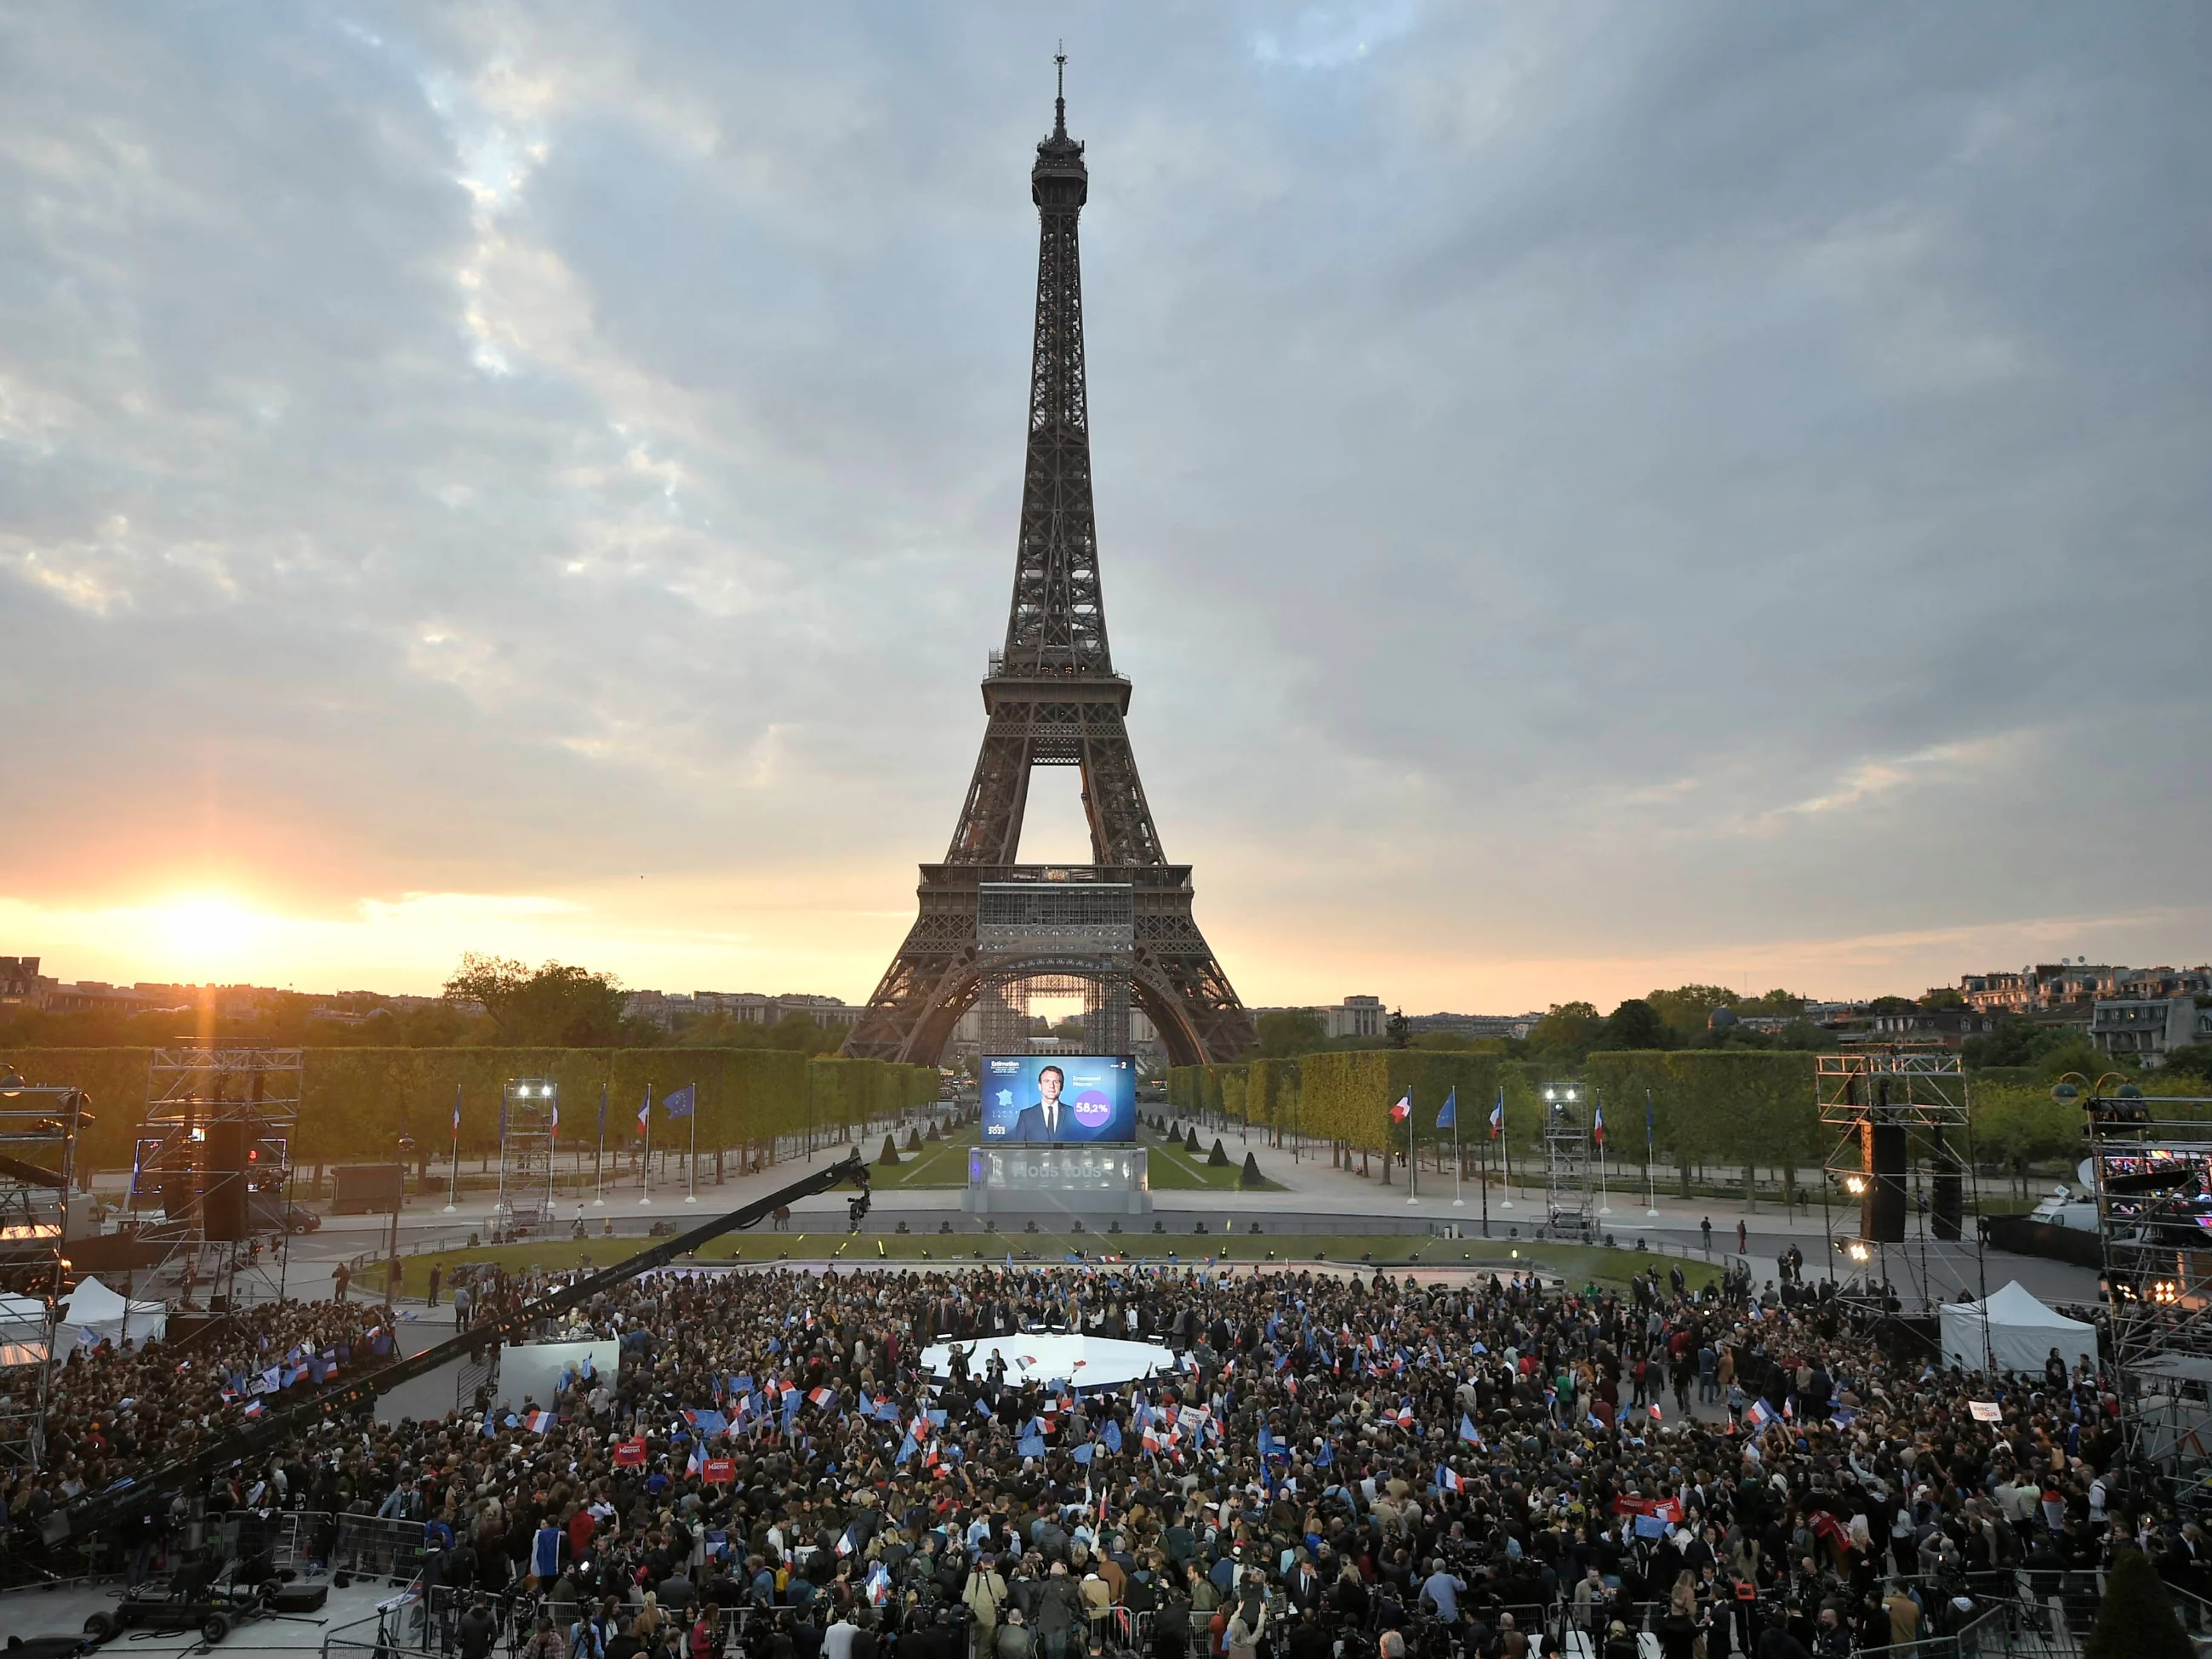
(1030, 1445)
(676, 1102)
(1112, 1436)
(1447, 1114)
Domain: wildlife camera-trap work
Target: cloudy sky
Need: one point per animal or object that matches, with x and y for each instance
(1593, 496)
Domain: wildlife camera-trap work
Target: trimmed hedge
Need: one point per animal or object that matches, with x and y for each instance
(1347, 1095)
(354, 1101)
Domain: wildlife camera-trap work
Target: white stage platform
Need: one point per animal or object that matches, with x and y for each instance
(1083, 1362)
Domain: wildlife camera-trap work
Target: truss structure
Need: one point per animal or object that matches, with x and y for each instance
(2154, 1183)
(1051, 698)
(1567, 1168)
(1054, 939)
(187, 1090)
(529, 1125)
(1903, 1152)
(38, 1128)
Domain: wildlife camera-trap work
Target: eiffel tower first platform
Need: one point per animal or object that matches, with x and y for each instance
(1116, 930)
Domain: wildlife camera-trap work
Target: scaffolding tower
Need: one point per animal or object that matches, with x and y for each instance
(2153, 1183)
(1904, 1153)
(39, 1129)
(1039, 941)
(200, 1101)
(529, 1127)
(1567, 1166)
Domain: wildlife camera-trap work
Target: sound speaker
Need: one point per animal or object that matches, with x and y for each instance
(1881, 1161)
(1948, 1210)
(222, 1197)
(175, 1187)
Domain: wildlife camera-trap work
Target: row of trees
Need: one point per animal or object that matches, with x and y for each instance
(356, 1102)
(489, 1002)
(1716, 1107)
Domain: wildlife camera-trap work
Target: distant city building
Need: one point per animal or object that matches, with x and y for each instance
(1473, 1025)
(1355, 1017)
(2068, 993)
(1948, 1026)
(20, 981)
(94, 996)
(2150, 1027)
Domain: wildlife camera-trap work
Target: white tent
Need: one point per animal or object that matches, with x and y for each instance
(1084, 1362)
(2011, 1331)
(93, 1313)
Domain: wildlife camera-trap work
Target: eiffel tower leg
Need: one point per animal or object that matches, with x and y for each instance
(1181, 987)
(927, 988)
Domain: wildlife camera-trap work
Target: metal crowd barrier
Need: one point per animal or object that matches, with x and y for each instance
(369, 1546)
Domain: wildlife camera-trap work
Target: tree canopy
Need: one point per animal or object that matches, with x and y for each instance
(552, 1006)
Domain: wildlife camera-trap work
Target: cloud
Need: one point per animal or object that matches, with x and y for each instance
(1573, 487)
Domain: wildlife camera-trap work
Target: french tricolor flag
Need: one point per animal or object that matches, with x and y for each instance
(539, 1422)
(1759, 1415)
(254, 1407)
(1447, 1478)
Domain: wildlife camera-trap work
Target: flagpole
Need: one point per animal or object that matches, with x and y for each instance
(1459, 1169)
(645, 1169)
(1650, 1200)
(691, 1158)
(599, 1157)
(453, 1180)
(1505, 1151)
(1413, 1164)
(1604, 1204)
(1484, 1179)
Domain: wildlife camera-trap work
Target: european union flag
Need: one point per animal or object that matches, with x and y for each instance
(676, 1102)
(1447, 1114)
(1030, 1445)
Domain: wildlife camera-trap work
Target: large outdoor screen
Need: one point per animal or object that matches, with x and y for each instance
(1046, 1098)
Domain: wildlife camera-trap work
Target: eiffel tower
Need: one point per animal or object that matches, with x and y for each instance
(1121, 926)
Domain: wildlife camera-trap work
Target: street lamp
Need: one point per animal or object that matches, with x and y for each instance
(398, 1198)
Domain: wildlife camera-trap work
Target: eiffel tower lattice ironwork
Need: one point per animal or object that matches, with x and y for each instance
(1053, 699)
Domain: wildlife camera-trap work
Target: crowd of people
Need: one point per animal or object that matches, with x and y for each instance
(1453, 1466)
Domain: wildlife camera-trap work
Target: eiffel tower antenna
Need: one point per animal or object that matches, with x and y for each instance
(1122, 926)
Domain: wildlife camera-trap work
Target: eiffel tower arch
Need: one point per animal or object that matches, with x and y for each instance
(1122, 926)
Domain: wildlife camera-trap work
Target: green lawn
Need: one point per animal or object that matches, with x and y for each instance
(1176, 1170)
(939, 1164)
(1579, 1264)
